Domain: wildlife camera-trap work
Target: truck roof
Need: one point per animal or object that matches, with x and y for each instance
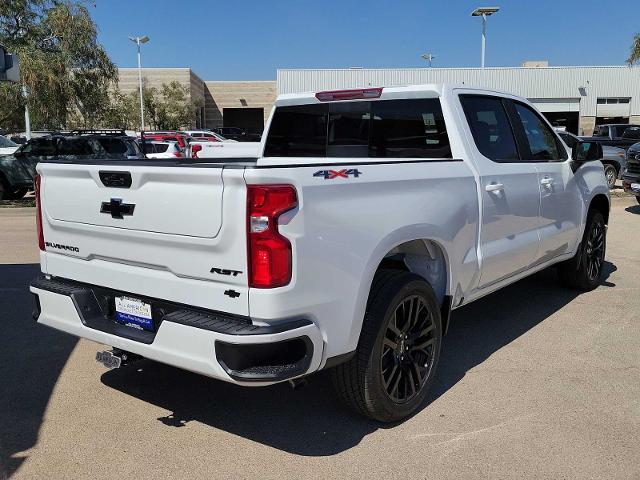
(431, 90)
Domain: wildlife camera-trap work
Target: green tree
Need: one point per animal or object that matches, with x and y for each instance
(66, 71)
(122, 111)
(634, 56)
(168, 108)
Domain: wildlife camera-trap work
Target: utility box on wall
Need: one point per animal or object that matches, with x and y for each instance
(9, 66)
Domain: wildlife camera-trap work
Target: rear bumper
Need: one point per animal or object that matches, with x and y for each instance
(226, 347)
(627, 180)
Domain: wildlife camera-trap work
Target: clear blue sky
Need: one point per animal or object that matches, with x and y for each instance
(250, 39)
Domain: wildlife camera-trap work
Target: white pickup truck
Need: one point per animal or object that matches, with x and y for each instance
(229, 149)
(368, 216)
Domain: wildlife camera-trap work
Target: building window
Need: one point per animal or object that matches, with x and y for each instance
(613, 100)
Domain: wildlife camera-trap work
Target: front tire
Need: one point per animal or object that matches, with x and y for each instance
(585, 269)
(638, 198)
(398, 351)
(611, 174)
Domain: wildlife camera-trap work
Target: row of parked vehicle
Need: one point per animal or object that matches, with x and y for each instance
(16, 178)
(18, 161)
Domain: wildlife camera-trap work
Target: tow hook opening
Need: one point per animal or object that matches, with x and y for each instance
(274, 361)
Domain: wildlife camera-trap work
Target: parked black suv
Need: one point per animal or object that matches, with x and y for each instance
(631, 176)
(18, 170)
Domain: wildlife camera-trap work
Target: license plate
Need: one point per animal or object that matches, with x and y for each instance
(108, 359)
(635, 187)
(134, 313)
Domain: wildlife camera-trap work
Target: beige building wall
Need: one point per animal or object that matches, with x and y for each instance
(213, 96)
(240, 94)
(155, 77)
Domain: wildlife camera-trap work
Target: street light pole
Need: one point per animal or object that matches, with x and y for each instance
(484, 40)
(429, 57)
(484, 12)
(27, 118)
(139, 41)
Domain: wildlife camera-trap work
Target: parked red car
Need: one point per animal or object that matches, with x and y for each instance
(181, 139)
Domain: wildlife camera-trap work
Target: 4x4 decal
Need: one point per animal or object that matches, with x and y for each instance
(344, 173)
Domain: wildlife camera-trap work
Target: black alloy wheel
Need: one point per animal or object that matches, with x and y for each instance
(585, 269)
(394, 365)
(594, 251)
(408, 350)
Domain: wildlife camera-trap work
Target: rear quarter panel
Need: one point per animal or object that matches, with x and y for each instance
(343, 227)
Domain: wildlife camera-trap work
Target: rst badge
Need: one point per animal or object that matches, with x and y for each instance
(344, 173)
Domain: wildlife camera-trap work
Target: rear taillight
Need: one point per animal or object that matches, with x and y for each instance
(39, 214)
(194, 150)
(269, 253)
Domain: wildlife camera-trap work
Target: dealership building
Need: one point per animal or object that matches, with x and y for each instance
(577, 98)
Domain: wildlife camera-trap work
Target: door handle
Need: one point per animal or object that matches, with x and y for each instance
(494, 187)
(546, 181)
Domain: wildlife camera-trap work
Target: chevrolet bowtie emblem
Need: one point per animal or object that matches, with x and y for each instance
(117, 209)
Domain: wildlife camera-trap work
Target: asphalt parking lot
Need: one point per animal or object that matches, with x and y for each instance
(535, 381)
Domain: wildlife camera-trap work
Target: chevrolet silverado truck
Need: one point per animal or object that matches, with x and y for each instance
(366, 217)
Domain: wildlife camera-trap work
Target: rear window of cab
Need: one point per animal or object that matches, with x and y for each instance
(407, 128)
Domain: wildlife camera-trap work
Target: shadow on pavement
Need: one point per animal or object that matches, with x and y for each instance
(311, 421)
(31, 359)
(633, 209)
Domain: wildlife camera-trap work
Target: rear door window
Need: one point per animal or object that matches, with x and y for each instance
(114, 147)
(490, 127)
(298, 131)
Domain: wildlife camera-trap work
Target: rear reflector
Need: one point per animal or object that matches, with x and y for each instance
(330, 96)
(39, 214)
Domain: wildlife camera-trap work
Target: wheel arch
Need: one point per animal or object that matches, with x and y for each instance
(427, 257)
(600, 203)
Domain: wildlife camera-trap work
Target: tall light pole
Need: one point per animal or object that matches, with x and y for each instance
(484, 12)
(139, 41)
(428, 57)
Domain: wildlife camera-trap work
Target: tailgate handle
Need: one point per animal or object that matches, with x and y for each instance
(115, 179)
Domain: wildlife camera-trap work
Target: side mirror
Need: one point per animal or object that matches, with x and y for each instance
(19, 154)
(586, 151)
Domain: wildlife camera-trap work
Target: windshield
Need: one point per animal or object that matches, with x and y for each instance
(6, 143)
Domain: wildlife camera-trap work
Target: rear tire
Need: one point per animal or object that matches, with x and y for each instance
(585, 269)
(3, 190)
(638, 198)
(611, 174)
(395, 362)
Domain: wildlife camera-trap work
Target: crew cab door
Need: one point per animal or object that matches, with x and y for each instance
(510, 195)
(560, 200)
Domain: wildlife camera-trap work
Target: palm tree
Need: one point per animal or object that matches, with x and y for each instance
(634, 56)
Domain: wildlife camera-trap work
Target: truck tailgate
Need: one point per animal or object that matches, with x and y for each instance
(165, 230)
(163, 199)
